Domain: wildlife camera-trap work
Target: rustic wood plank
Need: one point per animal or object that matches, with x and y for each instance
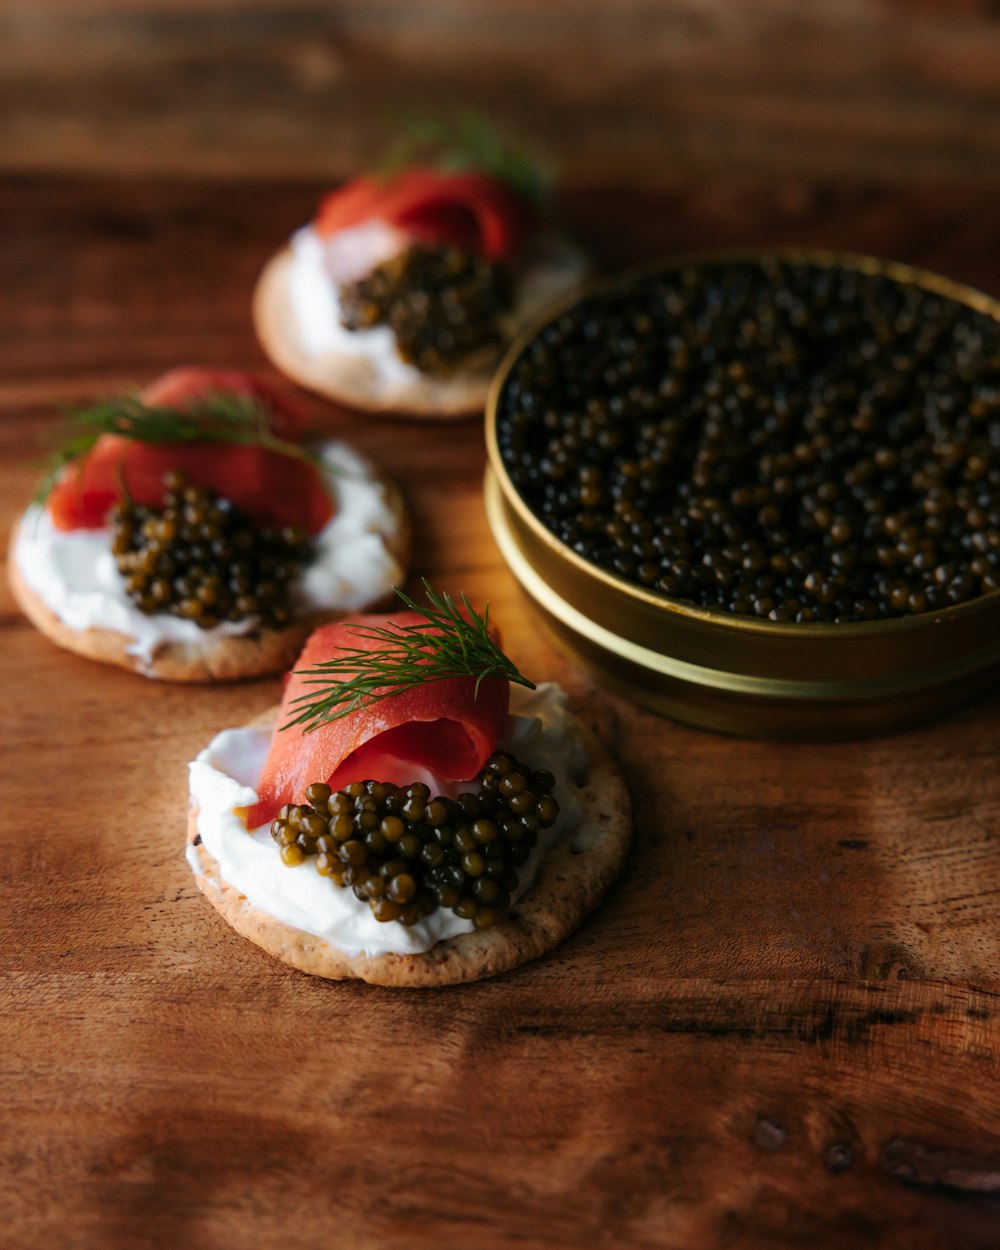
(514, 1118)
(781, 1027)
(632, 91)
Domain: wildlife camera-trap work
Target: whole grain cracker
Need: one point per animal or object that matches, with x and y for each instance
(572, 877)
(256, 654)
(346, 378)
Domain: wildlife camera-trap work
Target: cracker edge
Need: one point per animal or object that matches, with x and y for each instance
(258, 654)
(325, 374)
(573, 876)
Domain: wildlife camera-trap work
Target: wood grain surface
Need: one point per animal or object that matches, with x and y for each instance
(637, 90)
(781, 1028)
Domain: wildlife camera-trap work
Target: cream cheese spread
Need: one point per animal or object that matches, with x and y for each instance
(74, 573)
(320, 266)
(222, 778)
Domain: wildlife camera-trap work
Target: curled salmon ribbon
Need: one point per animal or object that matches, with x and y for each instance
(445, 726)
(278, 489)
(471, 211)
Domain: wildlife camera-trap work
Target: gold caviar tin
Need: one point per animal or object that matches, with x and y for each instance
(738, 674)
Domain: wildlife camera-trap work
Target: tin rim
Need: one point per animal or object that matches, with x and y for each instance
(723, 680)
(717, 619)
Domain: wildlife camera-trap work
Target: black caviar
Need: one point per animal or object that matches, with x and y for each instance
(202, 558)
(792, 441)
(406, 854)
(442, 303)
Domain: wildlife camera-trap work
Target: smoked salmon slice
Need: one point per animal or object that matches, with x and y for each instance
(441, 725)
(280, 490)
(467, 210)
(179, 387)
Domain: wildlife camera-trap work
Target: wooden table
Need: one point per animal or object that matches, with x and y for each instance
(780, 1029)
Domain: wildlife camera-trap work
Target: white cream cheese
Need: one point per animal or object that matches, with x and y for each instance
(319, 267)
(75, 576)
(313, 286)
(223, 777)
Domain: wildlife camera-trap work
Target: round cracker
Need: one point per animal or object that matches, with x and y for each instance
(347, 378)
(225, 659)
(572, 878)
(258, 653)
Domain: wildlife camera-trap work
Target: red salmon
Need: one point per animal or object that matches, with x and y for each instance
(279, 490)
(467, 210)
(441, 725)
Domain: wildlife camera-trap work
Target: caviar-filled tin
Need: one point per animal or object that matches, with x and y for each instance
(760, 491)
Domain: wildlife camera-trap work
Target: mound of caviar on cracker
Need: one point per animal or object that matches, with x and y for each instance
(416, 812)
(402, 293)
(194, 532)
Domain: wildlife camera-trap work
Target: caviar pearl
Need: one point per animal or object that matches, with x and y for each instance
(442, 303)
(466, 863)
(201, 558)
(788, 441)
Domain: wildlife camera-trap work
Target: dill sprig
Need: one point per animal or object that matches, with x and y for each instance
(451, 641)
(216, 417)
(469, 142)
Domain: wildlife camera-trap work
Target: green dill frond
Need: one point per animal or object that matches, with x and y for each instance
(451, 641)
(469, 142)
(213, 418)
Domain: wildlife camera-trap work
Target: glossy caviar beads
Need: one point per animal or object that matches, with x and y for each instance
(407, 854)
(788, 441)
(201, 558)
(442, 303)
